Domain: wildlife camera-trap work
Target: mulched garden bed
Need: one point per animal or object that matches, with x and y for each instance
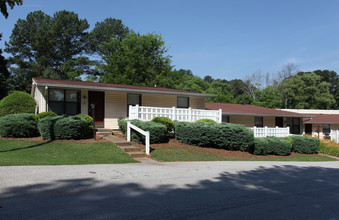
(90, 140)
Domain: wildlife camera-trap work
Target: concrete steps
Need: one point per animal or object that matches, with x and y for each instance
(125, 146)
(104, 132)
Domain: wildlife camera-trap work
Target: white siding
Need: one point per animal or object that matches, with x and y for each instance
(155, 100)
(115, 108)
(40, 98)
(197, 102)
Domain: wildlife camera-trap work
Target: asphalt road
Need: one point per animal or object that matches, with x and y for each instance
(193, 190)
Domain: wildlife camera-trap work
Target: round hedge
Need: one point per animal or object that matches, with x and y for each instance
(261, 146)
(70, 127)
(17, 102)
(279, 146)
(305, 145)
(18, 125)
(166, 121)
(41, 115)
(207, 120)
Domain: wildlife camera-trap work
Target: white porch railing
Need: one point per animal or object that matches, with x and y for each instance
(146, 113)
(146, 133)
(335, 135)
(266, 131)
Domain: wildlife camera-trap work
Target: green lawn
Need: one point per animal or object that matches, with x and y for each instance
(20, 152)
(172, 153)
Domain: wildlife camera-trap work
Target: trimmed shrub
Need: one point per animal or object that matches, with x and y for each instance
(63, 127)
(18, 125)
(17, 102)
(305, 145)
(158, 132)
(89, 120)
(207, 120)
(225, 135)
(279, 146)
(166, 121)
(261, 146)
(41, 115)
(70, 127)
(46, 127)
(122, 125)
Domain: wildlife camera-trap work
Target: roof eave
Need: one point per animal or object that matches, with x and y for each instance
(124, 90)
(272, 115)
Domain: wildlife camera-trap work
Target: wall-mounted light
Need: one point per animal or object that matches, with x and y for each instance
(84, 96)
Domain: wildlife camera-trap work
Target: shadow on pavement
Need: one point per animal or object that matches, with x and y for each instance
(281, 192)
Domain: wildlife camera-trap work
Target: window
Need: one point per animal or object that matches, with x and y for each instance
(133, 99)
(63, 101)
(294, 124)
(326, 128)
(183, 102)
(258, 121)
(225, 118)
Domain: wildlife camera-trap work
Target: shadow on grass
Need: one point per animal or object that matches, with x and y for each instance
(23, 148)
(280, 192)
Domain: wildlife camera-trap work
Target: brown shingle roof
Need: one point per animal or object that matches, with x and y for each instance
(322, 119)
(114, 87)
(243, 109)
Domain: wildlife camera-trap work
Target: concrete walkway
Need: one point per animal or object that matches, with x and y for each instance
(180, 190)
(124, 145)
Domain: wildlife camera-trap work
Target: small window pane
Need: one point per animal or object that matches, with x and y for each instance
(56, 95)
(258, 122)
(133, 99)
(71, 108)
(57, 107)
(326, 129)
(71, 96)
(183, 102)
(225, 118)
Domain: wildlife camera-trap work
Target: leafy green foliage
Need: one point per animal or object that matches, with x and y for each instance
(305, 145)
(70, 127)
(17, 102)
(166, 121)
(89, 120)
(207, 120)
(46, 127)
(279, 146)
(50, 47)
(41, 115)
(306, 91)
(63, 127)
(4, 75)
(158, 131)
(10, 3)
(136, 60)
(260, 146)
(18, 125)
(225, 135)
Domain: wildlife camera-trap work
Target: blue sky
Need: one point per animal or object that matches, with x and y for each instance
(225, 39)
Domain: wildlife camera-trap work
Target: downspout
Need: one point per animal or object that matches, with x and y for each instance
(46, 95)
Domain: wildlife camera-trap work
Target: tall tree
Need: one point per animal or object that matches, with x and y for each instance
(306, 91)
(10, 3)
(105, 31)
(4, 74)
(268, 97)
(47, 46)
(136, 60)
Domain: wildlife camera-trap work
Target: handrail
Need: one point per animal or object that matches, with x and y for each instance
(146, 133)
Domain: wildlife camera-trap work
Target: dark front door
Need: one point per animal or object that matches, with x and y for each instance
(308, 129)
(279, 121)
(98, 99)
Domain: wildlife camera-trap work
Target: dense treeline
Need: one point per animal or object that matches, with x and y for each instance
(61, 46)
